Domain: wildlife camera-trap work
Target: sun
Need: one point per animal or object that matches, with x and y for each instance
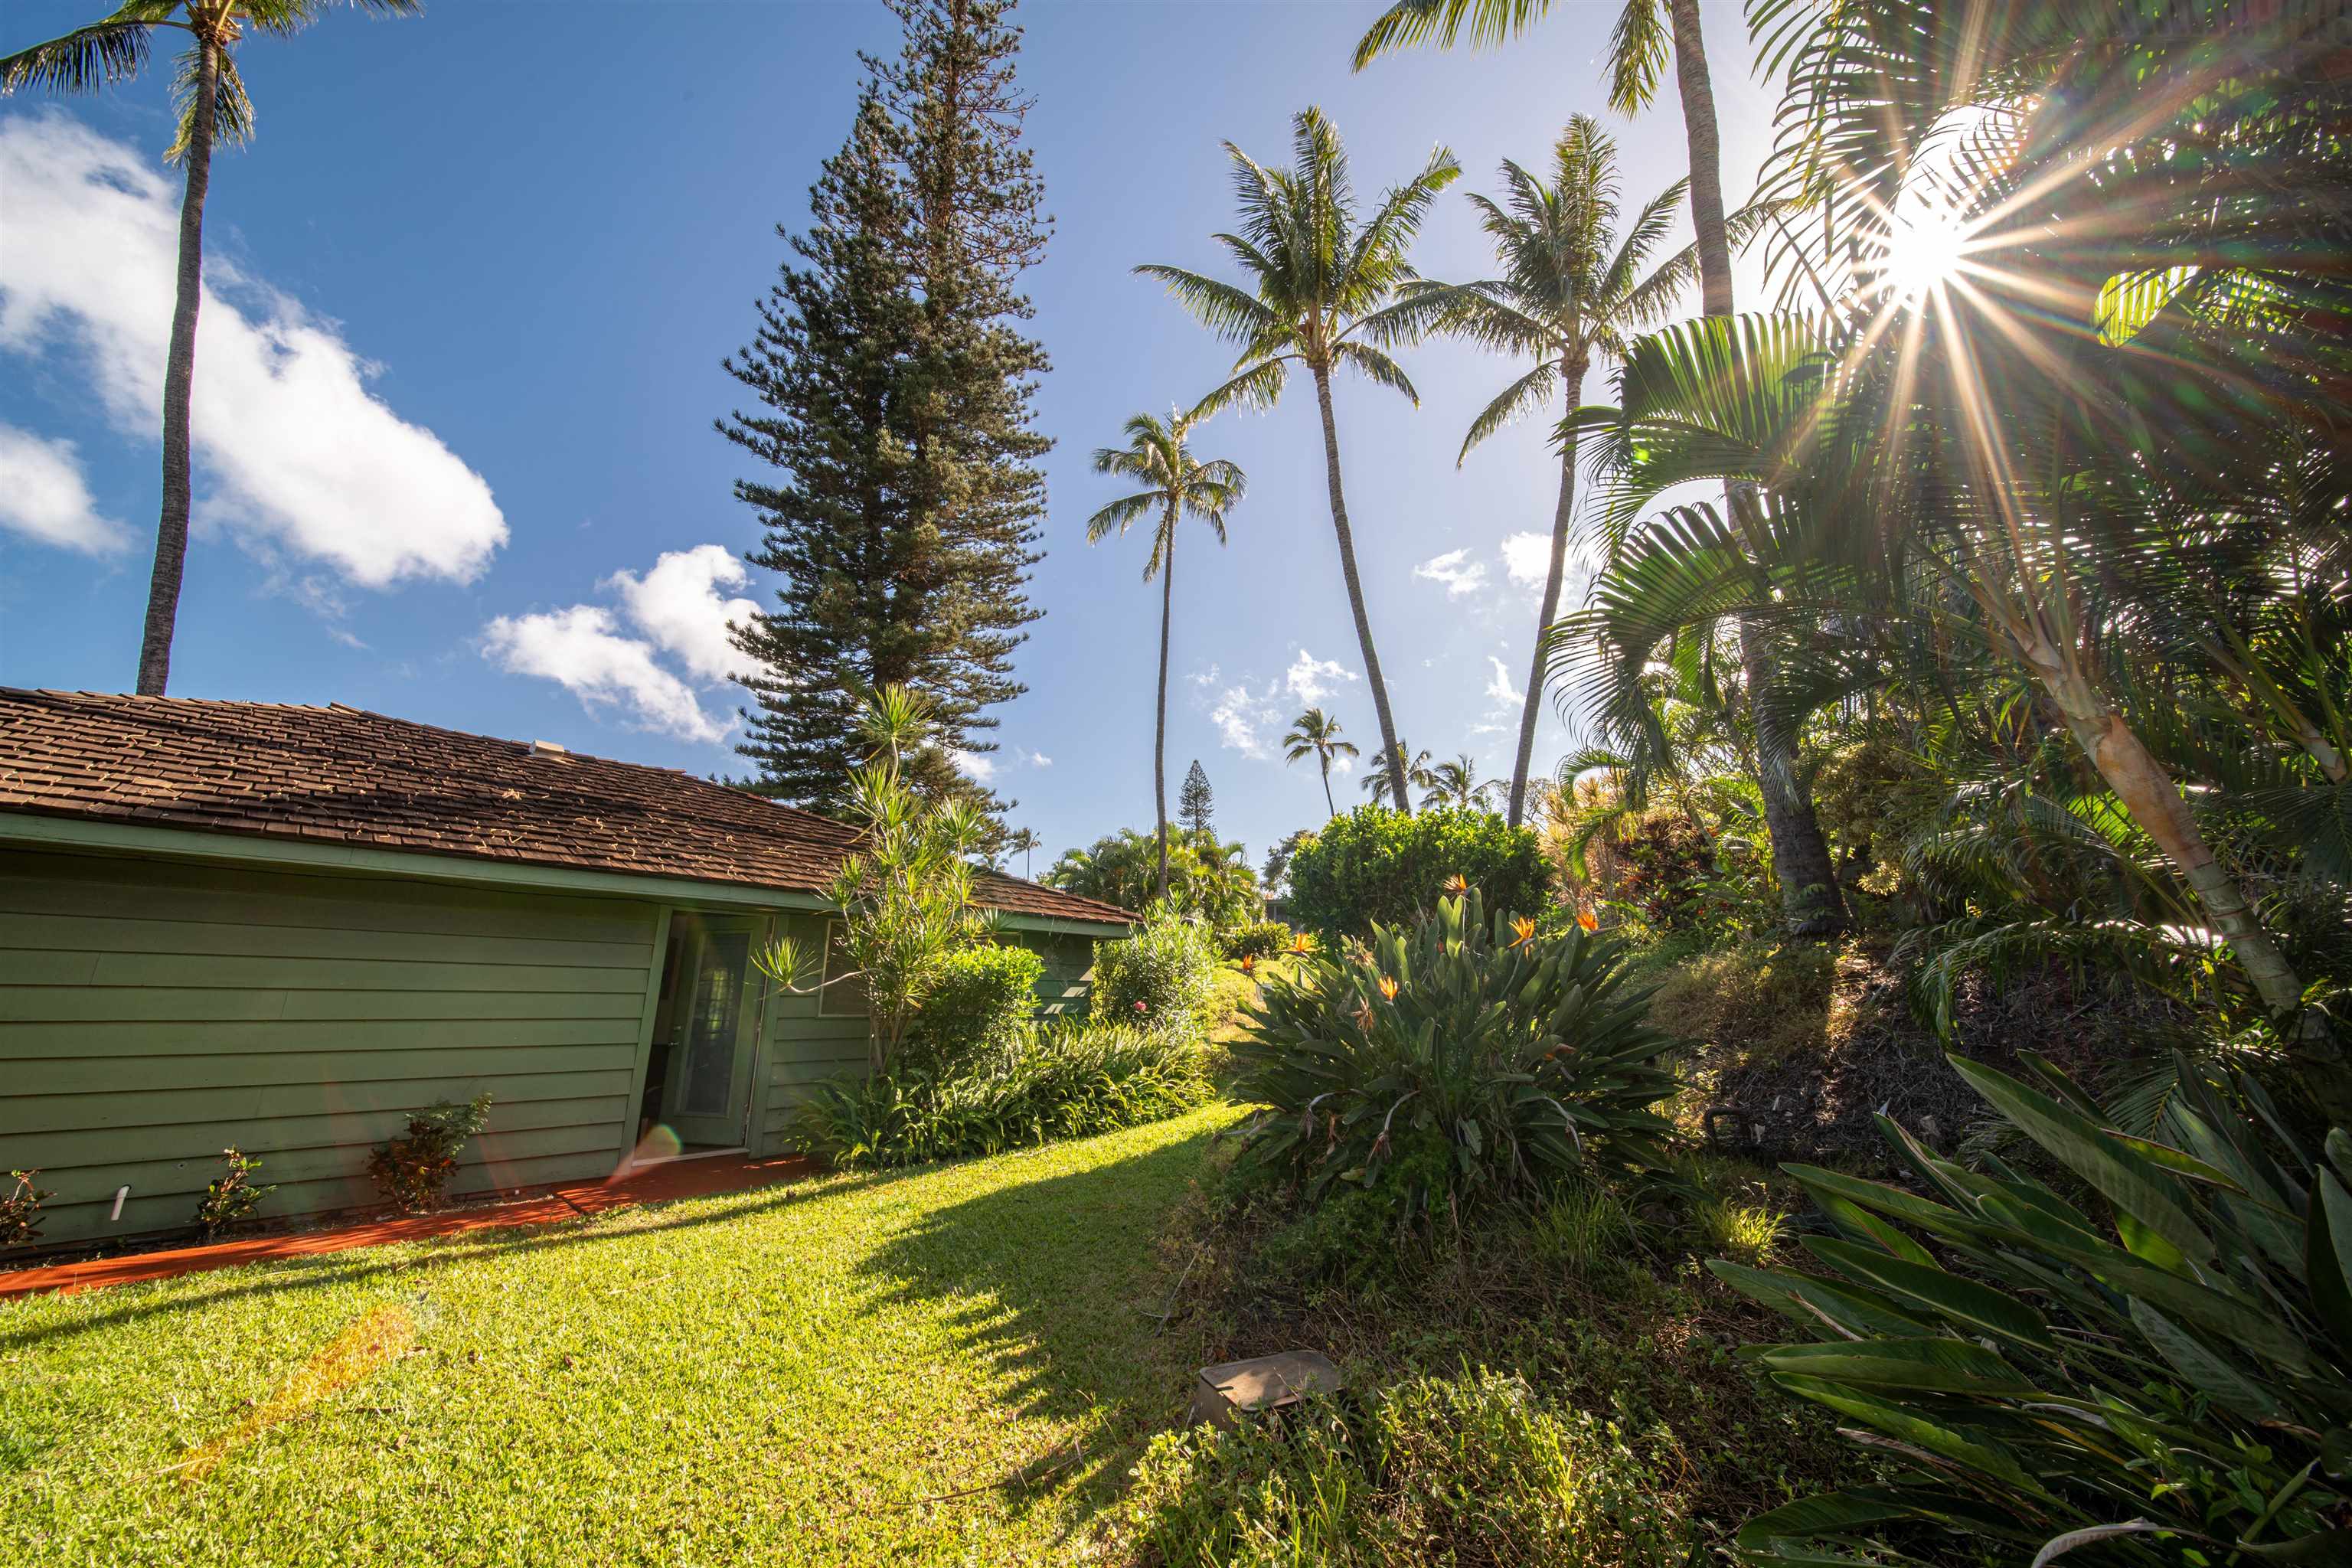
(1925, 245)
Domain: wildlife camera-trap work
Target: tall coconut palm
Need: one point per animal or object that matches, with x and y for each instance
(1380, 782)
(1316, 279)
(1648, 33)
(1315, 733)
(213, 110)
(1571, 291)
(1176, 484)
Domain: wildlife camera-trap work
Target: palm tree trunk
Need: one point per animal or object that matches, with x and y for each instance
(1705, 144)
(2156, 805)
(179, 379)
(1356, 590)
(1160, 727)
(1330, 806)
(1573, 376)
(1811, 901)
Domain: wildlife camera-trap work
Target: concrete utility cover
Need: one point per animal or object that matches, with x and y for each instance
(1263, 1382)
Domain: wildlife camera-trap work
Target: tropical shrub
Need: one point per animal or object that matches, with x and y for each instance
(1207, 877)
(1258, 939)
(1164, 976)
(20, 1209)
(1051, 1079)
(412, 1171)
(1662, 866)
(231, 1197)
(1374, 865)
(2157, 1366)
(905, 892)
(1451, 1063)
(972, 999)
(1477, 1467)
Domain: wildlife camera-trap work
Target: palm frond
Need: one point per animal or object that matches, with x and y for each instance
(91, 57)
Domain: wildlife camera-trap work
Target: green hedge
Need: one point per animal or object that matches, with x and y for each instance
(1162, 977)
(1062, 1078)
(1375, 864)
(974, 999)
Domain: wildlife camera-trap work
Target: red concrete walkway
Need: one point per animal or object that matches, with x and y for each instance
(647, 1184)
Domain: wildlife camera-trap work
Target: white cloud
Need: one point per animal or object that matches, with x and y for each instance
(1527, 559)
(1499, 689)
(1241, 720)
(677, 604)
(1455, 571)
(1038, 759)
(974, 766)
(582, 648)
(1310, 679)
(676, 610)
(1247, 718)
(42, 496)
(296, 455)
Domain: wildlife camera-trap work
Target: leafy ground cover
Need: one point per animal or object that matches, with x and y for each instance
(949, 1365)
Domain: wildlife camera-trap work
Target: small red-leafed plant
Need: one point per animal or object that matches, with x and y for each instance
(20, 1209)
(412, 1171)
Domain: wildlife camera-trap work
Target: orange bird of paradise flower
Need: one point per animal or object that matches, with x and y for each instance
(1523, 933)
(1586, 919)
(1388, 987)
(1457, 883)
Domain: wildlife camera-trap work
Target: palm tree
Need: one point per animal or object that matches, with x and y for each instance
(1023, 841)
(1647, 33)
(1455, 782)
(214, 110)
(1381, 780)
(1569, 291)
(1155, 455)
(1317, 732)
(1316, 279)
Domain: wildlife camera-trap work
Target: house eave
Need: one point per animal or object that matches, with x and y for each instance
(29, 830)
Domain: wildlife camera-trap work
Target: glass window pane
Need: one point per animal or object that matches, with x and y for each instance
(709, 1079)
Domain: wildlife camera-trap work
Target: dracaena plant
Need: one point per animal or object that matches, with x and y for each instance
(2154, 1367)
(905, 892)
(1457, 1061)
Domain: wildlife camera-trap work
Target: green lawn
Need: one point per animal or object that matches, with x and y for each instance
(793, 1375)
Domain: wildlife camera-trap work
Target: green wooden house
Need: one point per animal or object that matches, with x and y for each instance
(286, 927)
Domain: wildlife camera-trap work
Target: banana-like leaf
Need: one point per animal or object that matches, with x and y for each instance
(1943, 1365)
(2057, 1546)
(1979, 1455)
(2135, 1187)
(1978, 1307)
(2203, 1368)
(2327, 1262)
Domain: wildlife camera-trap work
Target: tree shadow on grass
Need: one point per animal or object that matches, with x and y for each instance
(275, 1276)
(1055, 1285)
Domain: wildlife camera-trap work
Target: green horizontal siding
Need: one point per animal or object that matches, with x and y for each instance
(1066, 987)
(800, 1047)
(153, 1012)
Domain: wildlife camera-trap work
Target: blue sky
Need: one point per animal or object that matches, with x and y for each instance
(471, 286)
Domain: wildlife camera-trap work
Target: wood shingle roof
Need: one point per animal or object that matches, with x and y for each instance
(345, 775)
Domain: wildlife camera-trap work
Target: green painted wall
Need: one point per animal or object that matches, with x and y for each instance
(153, 1012)
(1069, 963)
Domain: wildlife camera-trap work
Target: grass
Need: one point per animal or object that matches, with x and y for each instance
(947, 1365)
